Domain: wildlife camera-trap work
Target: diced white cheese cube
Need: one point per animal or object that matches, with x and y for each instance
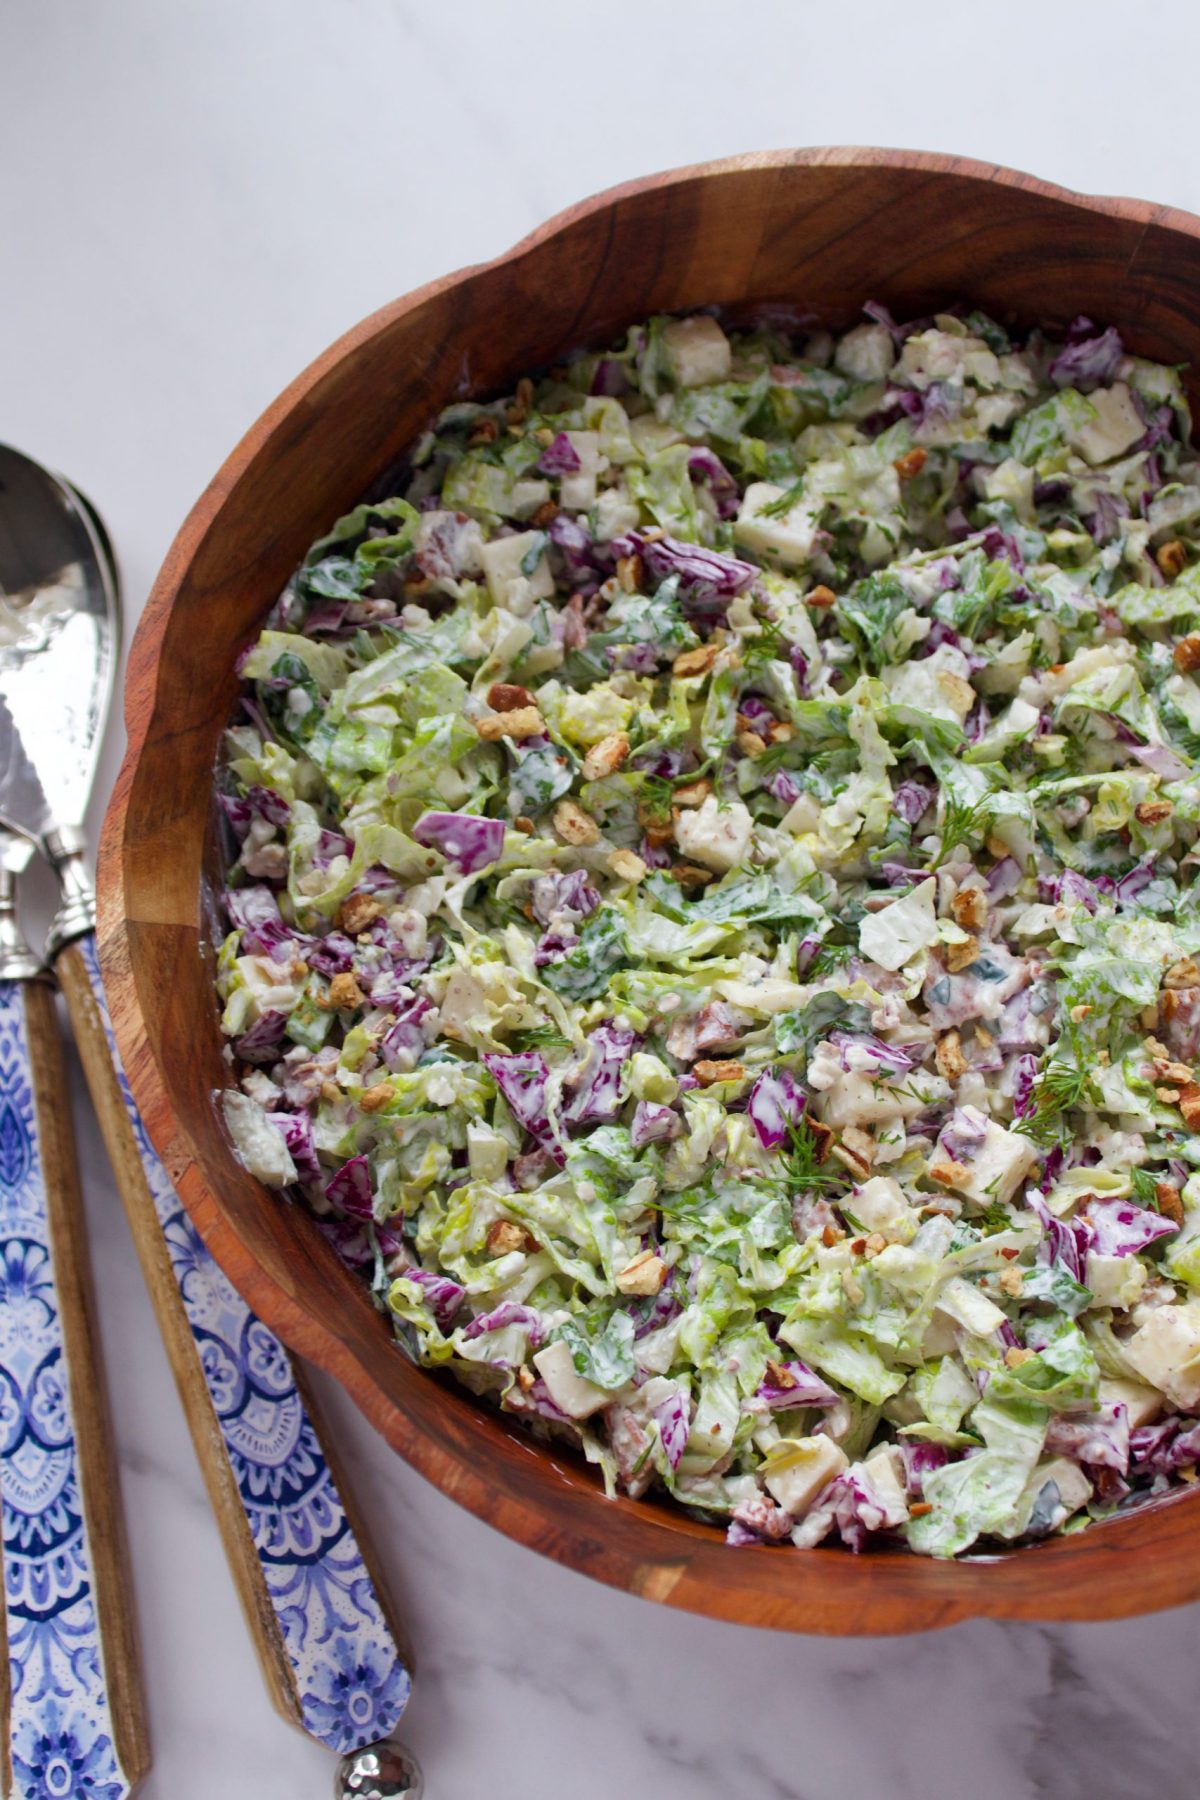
(896, 933)
(1000, 1164)
(259, 1144)
(1116, 426)
(785, 538)
(1142, 1404)
(866, 353)
(717, 836)
(798, 1472)
(962, 1301)
(508, 583)
(879, 1205)
(858, 1099)
(579, 490)
(884, 1468)
(616, 514)
(697, 350)
(1165, 1351)
(1114, 1280)
(570, 1392)
(487, 1152)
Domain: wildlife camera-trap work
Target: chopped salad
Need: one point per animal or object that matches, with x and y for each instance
(714, 920)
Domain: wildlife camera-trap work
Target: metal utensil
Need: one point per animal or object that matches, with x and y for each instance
(73, 1700)
(321, 1625)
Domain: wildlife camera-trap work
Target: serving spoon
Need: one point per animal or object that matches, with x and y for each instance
(316, 1611)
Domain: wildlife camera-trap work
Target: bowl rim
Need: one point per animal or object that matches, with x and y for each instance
(675, 1563)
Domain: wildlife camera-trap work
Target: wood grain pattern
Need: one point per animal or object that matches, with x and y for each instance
(182, 1354)
(813, 233)
(94, 1441)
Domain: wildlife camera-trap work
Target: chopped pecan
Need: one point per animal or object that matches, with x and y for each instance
(1169, 1201)
(690, 875)
(574, 826)
(484, 431)
(949, 1058)
(911, 463)
(695, 662)
(693, 793)
(645, 1274)
(344, 991)
(707, 1073)
(1016, 1354)
(357, 912)
(505, 1235)
(1182, 974)
(520, 722)
(630, 572)
(1187, 653)
(508, 696)
(970, 908)
(605, 757)
(820, 596)
(373, 1098)
(627, 865)
(961, 956)
(1171, 558)
(1153, 812)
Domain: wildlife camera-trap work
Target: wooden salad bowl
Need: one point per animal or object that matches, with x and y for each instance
(807, 235)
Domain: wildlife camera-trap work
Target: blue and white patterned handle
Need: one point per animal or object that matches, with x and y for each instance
(348, 1675)
(66, 1659)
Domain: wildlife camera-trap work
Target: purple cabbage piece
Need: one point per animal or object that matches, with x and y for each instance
(673, 1418)
(706, 466)
(442, 1296)
(509, 1312)
(331, 955)
(1130, 886)
(352, 1241)
(754, 708)
(608, 378)
(1171, 1444)
(560, 457)
(853, 1507)
(1024, 1076)
(350, 1189)
(255, 803)
(781, 787)
(1000, 546)
(653, 1124)
(1089, 358)
(572, 894)
(911, 801)
(1160, 759)
(1062, 1242)
(775, 1102)
(598, 1094)
(742, 1537)
(327, 619)
(261, 1044)
(404, 1040)
(553, 947)
(1104, 521)
(586, 561)
(297, 1131)
(708, 580)
(468, 842)
(1004, 878)
(963, 1134)
(920, 1460)
(898, 874)
(521, 1078)
(255, 912)
(330, 844)
(660, 1309)
(1099, 1439)
(1119, 1228)
(900, 1059)
(807, 1389)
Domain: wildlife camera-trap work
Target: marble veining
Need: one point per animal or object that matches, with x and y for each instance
(194, 200)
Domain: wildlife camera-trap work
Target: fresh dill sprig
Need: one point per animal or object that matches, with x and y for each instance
(962, 821)
(540, 1037)
(783, 503)
(1060, 1088)
(803, 1167)
(1145, 1188)
(767, 645)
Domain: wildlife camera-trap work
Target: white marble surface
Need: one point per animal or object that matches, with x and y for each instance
(195, 197)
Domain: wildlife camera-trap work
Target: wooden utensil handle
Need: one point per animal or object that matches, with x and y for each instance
(73, 1699)
(328, 1647)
